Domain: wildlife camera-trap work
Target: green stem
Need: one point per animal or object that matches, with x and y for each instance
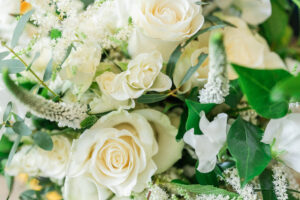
(30, 70)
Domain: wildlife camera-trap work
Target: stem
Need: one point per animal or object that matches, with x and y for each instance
(30, 70)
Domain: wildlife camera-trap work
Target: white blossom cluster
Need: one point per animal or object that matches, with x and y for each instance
(212, 197)
(157, 193)
(280, 182)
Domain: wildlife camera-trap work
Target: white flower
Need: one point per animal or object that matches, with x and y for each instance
(37, 162)
(120, 151)
(165, 24)
(284, 135)
(253, 11)
(143, 74)
(8, 22)
(208, 145)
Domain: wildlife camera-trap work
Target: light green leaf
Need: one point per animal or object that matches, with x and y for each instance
(251, 155)
(193, 69)
(7, 111)
(43, 140)
(194, 109)
(48, 72)
(3, 55)
(287, 90)
(257, 85)
(152, 98)
(297, 2)
(21, 128)
(14, 66)
(13, 149)
(20, 28)
(36, 56)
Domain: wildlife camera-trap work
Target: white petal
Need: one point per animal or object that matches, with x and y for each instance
(161, 83)
(189, 138)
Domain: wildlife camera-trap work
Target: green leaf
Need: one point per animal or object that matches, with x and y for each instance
(69, 50)
(251, 155)
(266, 184)
(193, 69)
(178, 51)
(152, 98)
(235, 94)
(297, 2)
(7, 111)
(55, 34)
(14, 66)
(206, 178)
(14, 149)
(86, 3)
(10, 183)
(21, 128)
(43, 140)
(257, 85)
(194, 109)
(287, 90)
(36, 56)
(5, 144)
(88, 122)
(20, 28)
(205, 189)
(28, 195)
(3, 55)
(181, 129)
(48, 72)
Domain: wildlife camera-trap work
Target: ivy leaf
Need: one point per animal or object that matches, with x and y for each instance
(48, 72)
(3, 55)
(194, 109)
(257, 86)
(15, 66)
(7, 111)
(266, 183)
(152, 98)
(43, 140)
(20, 28)
(21, 128)
(235, 94)
(287, 90)
(251, 155)
(193, 69)
(178, 51)
(181, 129)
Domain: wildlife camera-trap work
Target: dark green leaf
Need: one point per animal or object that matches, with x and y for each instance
(43, 140)
(21, 128)
(20, 28)
(287, 90)
(3, 55)
(206, 178)
(14, 149)
(88, 122)
(48, 72)
(235, 94)
(181, 129)
(14, 66)
(55, 34)
(251, 155)
(5, 144)
(178, 51)
(152, 98)
(194, 109)
(86, 3)
(257, 85)
(266, 184)
(7, 111)
(193, 69)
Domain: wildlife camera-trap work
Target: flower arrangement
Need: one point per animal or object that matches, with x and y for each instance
(150, 99)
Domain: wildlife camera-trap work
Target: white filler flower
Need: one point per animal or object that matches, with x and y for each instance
(284, 136)
(208, 145)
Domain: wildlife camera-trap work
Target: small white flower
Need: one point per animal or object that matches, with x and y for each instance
(280, 182)
(208, 145)
(284, 136)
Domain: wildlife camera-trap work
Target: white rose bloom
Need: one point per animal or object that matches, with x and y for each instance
(143, 74)
(37, 162)
(163, 24)
(208, 145)
(284, 136)
(119, 152)
(253, 11)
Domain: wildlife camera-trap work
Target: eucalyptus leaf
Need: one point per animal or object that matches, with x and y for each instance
(13, 149)
(48, 72)
(193, 69)
(21, 128)
(257, 85)
(194, 109)
(3, 55)
(7, 111)
(14, 66)
(152, 98)
(36, 56)
(43, 140)
(251, 155)
(68, 52)
(10, 183)
(287, 90)
(20, 28)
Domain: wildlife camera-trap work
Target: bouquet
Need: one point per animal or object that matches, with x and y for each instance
(150, 99)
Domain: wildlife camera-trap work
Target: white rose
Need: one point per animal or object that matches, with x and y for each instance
(208, 145)
(164, 24)
(120, 151)
(143, 74)
(284, 137)
(37, 162)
